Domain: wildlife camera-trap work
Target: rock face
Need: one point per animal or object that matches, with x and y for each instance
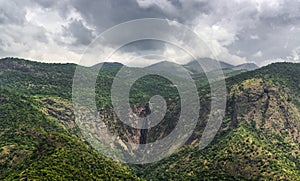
(266, 106)
(258, 140)
(259, 137)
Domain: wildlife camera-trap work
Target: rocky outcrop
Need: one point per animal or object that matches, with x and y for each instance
(266, 106)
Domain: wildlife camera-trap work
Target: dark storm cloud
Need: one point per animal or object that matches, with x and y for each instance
(266, 38)
(46, 3)
(81, 34)
(10, 13)
(254, 30)
(107, 13)
(276, 33)
(143, 45)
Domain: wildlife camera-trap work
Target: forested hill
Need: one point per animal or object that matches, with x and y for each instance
(259, 137)
(33, 144)
(35, 147)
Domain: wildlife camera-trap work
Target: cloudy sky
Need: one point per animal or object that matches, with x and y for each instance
(260, 31)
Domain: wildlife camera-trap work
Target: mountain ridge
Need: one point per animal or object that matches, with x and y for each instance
(258, 139)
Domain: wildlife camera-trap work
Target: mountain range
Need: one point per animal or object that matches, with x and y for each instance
(258, 139)
(193, 67)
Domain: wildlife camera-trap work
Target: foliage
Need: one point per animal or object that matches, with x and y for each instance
(34, 147)
(37, 142)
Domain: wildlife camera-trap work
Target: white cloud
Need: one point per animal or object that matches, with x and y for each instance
(258, 54)
(254, 37)
(269, 61)
(236, 31)
(295, 54)
(50, 20)
(217, 37)
(165, 5)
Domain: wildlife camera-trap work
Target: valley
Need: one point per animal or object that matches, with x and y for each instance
(258, 139)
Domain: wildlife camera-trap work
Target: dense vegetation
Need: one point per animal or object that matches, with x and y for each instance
(259, 137)
(34, 147)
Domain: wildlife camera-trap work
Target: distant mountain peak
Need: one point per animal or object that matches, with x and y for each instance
(113, 64)
(210, 65)
(108, 64)
(246, 66)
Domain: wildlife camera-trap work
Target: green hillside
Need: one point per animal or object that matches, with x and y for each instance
(272, 94)
(34, 147)
(258, 140)
(259, 137)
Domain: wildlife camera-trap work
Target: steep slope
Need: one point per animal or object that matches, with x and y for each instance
(37, 78)
(242, 153)
(259, 137)
(34, 147)
(266, 105)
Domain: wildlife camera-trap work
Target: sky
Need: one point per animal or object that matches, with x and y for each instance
(240, 31)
